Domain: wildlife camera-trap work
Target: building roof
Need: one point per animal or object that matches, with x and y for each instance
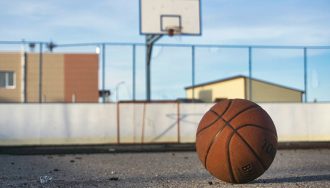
(240, 76)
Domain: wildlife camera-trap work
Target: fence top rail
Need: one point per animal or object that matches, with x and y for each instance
(170, 45)
(195, 45)
(23, 42)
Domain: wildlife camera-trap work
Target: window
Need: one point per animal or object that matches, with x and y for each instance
(7, 79)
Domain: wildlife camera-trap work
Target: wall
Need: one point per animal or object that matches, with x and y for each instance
(12, 62)
(148, 122)
(264, 92)
(35, 124)
(239, 88)
(228, 89)
(32, 78)
(44, 124)
(81, 77)
(301, 122)
(53, 77)
(63, 75)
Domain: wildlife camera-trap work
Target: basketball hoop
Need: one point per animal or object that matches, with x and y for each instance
(173, 30)
(165, 17)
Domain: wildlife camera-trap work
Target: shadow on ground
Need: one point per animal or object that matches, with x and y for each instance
(325, 177)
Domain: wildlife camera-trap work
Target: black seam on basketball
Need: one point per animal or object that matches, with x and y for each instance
(212, 123)
(235, 116)
(232, 176)
(248, 145)
(257, 126)
(239, 135)
(240, 112)
(219, 117)
(252, 150)
(228, 124)
(245, 142)
(211, 144)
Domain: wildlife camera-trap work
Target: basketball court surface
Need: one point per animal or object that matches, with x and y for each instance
(291, 168)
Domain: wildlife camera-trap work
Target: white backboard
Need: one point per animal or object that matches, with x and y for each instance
(156, 16)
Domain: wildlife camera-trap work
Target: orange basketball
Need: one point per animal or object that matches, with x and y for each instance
(236, 141)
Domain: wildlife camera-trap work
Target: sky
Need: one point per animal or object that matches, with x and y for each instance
(280, 22)
(232, 22)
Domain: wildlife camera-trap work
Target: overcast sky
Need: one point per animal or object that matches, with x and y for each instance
(287, 22)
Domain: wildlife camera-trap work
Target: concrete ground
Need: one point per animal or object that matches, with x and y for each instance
(291, 168)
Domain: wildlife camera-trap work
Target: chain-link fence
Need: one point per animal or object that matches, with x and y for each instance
(42, 72)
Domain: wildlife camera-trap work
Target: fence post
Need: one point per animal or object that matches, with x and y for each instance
(178, 121)
(134, 71)
(250, 73)
(103, 71)
(25, 57)
(305, 74)
(118, 122)
(40, 71)
(193, 71)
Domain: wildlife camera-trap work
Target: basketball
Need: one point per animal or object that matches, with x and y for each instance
(236, 141)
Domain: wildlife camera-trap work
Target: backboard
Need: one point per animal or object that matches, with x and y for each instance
(170, 17)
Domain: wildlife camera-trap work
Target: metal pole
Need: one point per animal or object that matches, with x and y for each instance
(25, 77)
(40, 73)
(103, 72)
(305, 73)
(250, 73)
(118, 123)
(193, 71)
(134, 71)
(178, 121)
(148, 81)
(150, 41)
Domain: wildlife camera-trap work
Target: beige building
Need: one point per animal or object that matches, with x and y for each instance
(63, 77)
(239, 87)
